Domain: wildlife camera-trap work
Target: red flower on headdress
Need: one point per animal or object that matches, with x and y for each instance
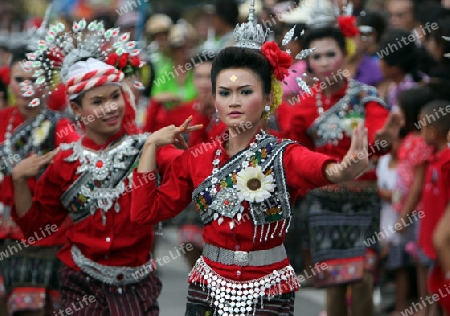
(56, 56)
(112, 59)
(4, 74)
(347, 25)
(123, 61)
(58, 100)
(135, 61)
(279, 60)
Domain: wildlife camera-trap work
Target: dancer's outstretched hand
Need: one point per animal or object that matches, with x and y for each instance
(355, 162)
(31, 166)
(172, 134)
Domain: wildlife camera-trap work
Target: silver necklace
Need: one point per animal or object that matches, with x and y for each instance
(319, 103)
(226, 202)
(29, 143)
(102, 164)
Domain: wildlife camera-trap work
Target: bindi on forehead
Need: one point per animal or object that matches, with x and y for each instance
(233, 78)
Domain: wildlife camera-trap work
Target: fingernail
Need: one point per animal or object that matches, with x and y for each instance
(182, 128)
(199, 125)
(190, 117)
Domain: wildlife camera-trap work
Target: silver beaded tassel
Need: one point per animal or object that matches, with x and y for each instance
(237, 298)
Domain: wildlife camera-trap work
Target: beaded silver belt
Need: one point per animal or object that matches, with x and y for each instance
(113, 275)
(243, 258)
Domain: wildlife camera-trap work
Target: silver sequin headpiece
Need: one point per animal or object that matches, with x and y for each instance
(57, 50)
(250, 35)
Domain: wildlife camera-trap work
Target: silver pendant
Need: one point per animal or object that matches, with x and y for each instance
(227, 203)
(117, 207)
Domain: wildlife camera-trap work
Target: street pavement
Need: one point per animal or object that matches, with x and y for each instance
(173, 271)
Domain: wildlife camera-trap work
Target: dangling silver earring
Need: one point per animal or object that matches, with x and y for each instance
(267, 109)
(78, 121)
(217, 117)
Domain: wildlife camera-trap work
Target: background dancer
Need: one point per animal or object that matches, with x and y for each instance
(89, 180)
(341, 217)
(26, 130)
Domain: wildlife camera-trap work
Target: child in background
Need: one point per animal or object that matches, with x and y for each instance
(393, 244)
(413, 155)
(436, 197)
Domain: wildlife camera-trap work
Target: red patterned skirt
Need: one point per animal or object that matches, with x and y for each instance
(84, 295)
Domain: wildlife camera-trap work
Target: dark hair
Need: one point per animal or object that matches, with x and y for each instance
(314, 34)
(4, 89)
(408, 57)
(79, 99)
(228, 11)
(442, 30)
(243, 58)
(411, 102)
(374, 19)
(19, 55)
(439, 82)
(428, 12)
(435, 118)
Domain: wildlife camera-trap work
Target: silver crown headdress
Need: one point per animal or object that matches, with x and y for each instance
(58, 50)
(250, 35)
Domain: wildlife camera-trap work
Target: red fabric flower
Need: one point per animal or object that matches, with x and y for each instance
(112, 59)
(347, 25)
(58, 100)
(4, 74)
(123, 60)
(56, 55)
(279, 60)
(135, 61)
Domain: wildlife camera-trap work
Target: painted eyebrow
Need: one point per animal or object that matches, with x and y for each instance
(240, 87)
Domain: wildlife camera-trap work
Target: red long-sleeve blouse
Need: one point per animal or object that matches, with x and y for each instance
(158, 116)
(211, 130)
(305, 112)
(64, 133)
(150, 205)
(117, 243)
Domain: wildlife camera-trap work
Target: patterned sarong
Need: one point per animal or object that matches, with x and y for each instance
(84, 295)
(341, 224)
(31, 277)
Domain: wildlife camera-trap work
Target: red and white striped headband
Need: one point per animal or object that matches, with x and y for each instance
(85, 75)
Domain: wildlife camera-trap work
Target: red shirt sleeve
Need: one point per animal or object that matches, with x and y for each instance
(301, 118)
(374, 120)
(201, 135)
(65, 132)
(153, 110)
(446, 175)
(46, 208)
(150, 205)
(305, 169)
(165, 155)
(283, 116)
